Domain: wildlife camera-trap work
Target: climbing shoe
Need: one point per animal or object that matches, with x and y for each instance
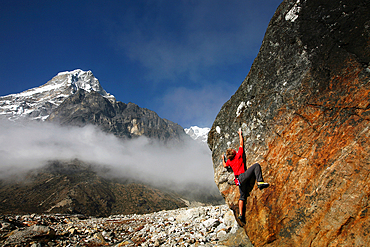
(241, 218)
(262, 185)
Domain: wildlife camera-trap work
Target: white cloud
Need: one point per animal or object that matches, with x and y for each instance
(31, 145)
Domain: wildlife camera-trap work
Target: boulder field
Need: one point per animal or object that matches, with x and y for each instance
(210, 226)
(304, 109)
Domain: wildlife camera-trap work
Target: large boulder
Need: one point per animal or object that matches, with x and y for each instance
(304, 110)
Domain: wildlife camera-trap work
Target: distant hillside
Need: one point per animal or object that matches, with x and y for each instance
(77, 188)
(76, 98)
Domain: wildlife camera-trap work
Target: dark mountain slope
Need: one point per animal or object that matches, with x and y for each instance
(123, 120)
(76, 188)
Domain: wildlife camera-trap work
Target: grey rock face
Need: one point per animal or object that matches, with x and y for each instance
(304, 113)
(123, 120)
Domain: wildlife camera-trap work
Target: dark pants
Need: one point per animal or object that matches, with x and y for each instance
(253, 172)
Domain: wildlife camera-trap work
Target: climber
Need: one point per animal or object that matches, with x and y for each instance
(242, 177)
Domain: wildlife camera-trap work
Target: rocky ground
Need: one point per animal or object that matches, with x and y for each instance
(200, 226)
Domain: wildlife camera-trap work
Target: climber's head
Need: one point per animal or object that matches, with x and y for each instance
(230, 154)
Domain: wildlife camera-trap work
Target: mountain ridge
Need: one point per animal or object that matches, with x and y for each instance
(37, 103)
(198, 133)
(81, 91)
(76, 98)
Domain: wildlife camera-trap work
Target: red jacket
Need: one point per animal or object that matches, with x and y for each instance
(237, 164)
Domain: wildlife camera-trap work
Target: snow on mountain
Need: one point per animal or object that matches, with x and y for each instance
(37, 103)
(197, 133)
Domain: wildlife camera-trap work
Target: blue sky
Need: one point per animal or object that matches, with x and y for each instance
(181, 59)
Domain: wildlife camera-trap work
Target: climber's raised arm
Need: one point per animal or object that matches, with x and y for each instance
(241, 138)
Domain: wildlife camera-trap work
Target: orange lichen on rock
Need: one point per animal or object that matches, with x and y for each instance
(308, 120)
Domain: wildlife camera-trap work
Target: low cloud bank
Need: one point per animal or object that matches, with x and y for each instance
(27, 146)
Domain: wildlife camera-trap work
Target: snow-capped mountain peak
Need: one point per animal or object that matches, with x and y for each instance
(37, 103)
(84, 80)
(197, 133)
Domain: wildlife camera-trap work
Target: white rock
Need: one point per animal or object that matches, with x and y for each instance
(187, 215)
(221, 235)
(221, 227)
(210, 223)
(229, 219)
